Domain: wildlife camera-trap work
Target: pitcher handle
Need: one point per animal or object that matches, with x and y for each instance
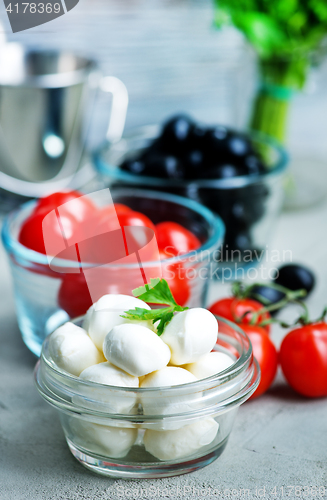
(114, 86)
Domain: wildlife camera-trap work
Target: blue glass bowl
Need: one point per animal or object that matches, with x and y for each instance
(248, 205)
(36, 287)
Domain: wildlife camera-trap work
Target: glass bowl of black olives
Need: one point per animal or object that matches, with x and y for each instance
(237, 175)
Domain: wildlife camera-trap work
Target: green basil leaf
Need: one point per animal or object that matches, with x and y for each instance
(165, 319)
(158, 292)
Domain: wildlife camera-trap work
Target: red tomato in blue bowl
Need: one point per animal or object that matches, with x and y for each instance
(176, 239)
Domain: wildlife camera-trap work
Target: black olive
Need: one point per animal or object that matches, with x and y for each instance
(175, 135)
(217, 138)
(136, 166)
(239, 145)
(295, 277)
(197, 138)
(193, 163)
(216, 145)
(238, 215)
(253, 199)
(231, 142)
(242, 241)
(253, 165)
(162, 165)
(237, 240)
(225, 171)
(270, 294)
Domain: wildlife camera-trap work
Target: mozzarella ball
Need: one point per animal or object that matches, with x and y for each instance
(190, 335)
(114, 442)
(135, 349)
(86, 321)
(72, 349)
(108, 374)
(168, 376)
(180, 443)
(167, 404)
(209, 364)
(107, 313)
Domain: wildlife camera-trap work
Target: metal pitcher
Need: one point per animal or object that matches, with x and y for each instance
(44, 97)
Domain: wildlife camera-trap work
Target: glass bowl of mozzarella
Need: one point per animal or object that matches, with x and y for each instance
(136, 404)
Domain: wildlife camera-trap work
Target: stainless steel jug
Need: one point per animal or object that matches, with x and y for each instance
(44, 96)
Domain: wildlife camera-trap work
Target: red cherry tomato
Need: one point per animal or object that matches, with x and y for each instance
(73, 220)
(223, 308)
(233, 309)
(132, 218)
(107, 217)
(74, 296)
(303, 358)
(31, 234)
(265, 353)
(81, 209)
(111, 210)
(176, 278)
(141, 238)
(240, 306)
(54, 200)
(175, 239)
(121, 208)
(126, 217)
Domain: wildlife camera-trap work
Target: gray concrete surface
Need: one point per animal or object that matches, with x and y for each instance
(166, 54)
(278, 441)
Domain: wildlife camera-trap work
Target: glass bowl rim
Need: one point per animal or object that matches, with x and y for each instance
(65, 380)
(151, 131)
(214, 241)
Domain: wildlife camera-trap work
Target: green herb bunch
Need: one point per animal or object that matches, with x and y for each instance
(277, 28)
(287, 35)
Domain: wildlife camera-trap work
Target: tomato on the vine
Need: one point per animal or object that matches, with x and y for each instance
(303, 358)
(241, 306)
(234, 310)
(176, 239)
(265, 353)
(222, 308)
(264, 349)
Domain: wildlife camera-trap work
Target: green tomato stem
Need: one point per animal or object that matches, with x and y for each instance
(291, 296)
(242, 291)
